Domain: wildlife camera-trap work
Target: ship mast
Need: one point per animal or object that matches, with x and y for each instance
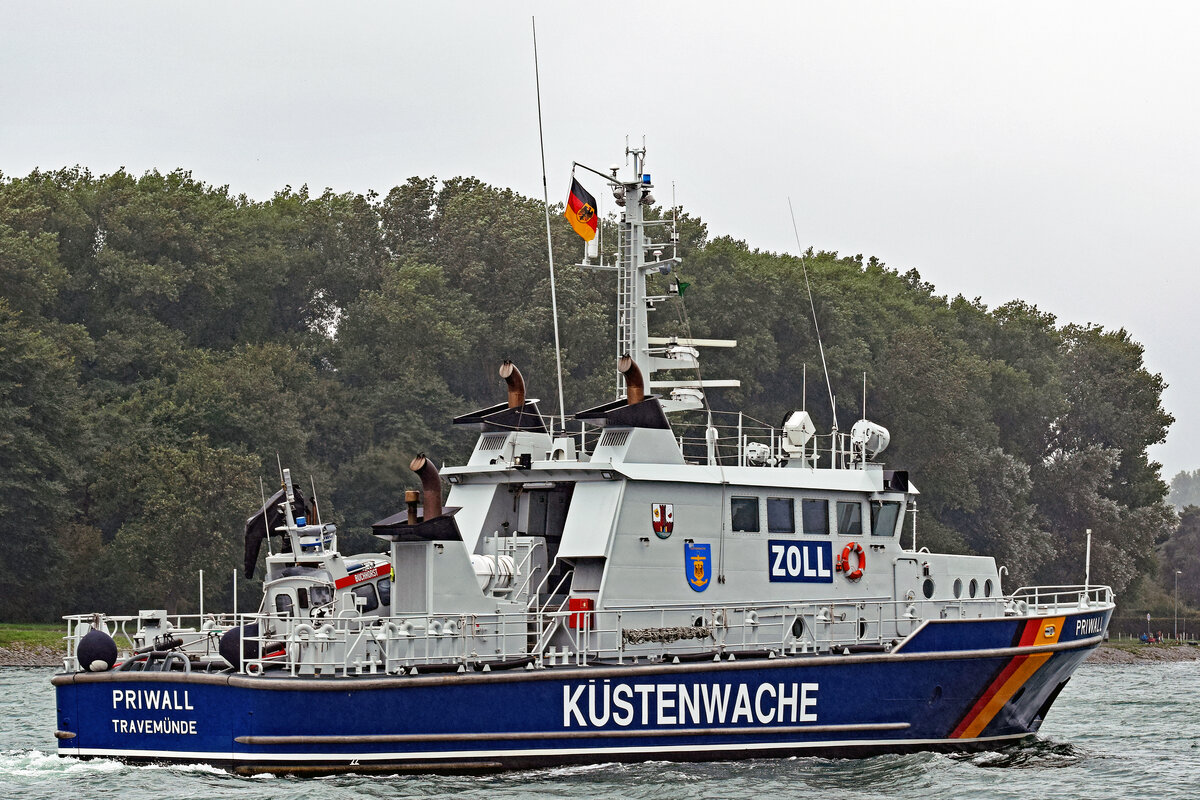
(639, 255)
(632, 241)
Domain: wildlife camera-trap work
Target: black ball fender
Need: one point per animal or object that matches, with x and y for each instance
(97, 652)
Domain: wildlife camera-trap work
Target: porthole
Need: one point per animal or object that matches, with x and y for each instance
(927, 588)
(862, 628)
(987, 588)
(973, 587)
(957, 588)
(798, 628)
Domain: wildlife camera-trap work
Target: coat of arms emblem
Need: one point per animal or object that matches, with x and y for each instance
(697, 565)
(662, 515)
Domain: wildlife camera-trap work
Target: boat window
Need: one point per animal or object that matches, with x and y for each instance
(781, 515)
(883, 518)
(385, 591)
(283, 604)
(320, 595)
(302, 598)
(743, 513)
(849, 518)
(972, 587)
(957, 588)
(816, 516)
(367, 592)
(987, 588)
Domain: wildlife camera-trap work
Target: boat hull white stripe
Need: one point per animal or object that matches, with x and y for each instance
(419, 738)
(441, 755)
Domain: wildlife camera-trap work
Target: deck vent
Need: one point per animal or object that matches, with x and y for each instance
(492, 441)
(614, 439)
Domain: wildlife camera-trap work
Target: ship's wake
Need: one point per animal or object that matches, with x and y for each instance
(1033, 754)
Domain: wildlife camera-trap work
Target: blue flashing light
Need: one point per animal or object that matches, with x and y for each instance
(301, 522)
(646, 178)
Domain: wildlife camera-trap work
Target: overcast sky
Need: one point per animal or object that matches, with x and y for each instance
(1041, 151)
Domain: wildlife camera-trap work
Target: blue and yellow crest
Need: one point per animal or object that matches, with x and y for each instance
(697, 565)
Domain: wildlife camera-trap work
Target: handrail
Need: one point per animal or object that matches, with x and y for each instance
(372, 645)
(549, 597)
(546, 633)
(1062, 596)
(840, 601)
(520, 569)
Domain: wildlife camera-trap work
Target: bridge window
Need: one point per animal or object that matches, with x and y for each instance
(385, 591)
(816, 516)
(320, 595)
(743, 513)
(849, 518)
(283, 604)
(884, 517)
(367, 592)
(781, 515)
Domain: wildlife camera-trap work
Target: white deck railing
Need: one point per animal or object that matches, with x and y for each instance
(553, 635)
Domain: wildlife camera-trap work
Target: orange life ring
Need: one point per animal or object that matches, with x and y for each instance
(843, 561)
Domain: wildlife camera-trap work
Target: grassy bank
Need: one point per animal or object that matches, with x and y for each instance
(31, 634)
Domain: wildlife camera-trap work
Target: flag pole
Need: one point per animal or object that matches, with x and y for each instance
(562, 408)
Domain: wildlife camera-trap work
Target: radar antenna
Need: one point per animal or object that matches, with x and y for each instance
(816, 326)
(562, 408)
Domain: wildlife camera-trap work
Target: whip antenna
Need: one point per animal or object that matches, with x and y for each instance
(816, 327)
(562, 408)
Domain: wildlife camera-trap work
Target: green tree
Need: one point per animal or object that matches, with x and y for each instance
(1185, 489)
(1182, 552)
(40, 428)
(191, 499)
(162, 340)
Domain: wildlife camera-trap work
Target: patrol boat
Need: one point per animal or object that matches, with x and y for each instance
(620, 594)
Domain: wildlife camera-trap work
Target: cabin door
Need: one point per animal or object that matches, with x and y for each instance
(908, 573)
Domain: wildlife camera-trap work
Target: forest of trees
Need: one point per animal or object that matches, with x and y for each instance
(162, 340)
(1185, 489)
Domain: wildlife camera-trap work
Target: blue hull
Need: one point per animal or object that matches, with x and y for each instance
(953, 685)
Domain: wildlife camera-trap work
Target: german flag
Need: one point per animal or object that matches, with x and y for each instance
(581, 211)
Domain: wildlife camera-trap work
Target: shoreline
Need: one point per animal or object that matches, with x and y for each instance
(38, 656)
(17, 656)
(1131, 653)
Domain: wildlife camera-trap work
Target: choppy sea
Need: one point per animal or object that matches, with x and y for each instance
(1117, 731)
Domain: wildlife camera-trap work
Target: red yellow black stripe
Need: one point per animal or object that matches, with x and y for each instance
(581, 211)
(1012, 676)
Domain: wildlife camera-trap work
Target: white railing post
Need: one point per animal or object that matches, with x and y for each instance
(1087, 563)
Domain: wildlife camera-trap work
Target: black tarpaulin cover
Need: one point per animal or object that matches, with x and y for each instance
(265, 521)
